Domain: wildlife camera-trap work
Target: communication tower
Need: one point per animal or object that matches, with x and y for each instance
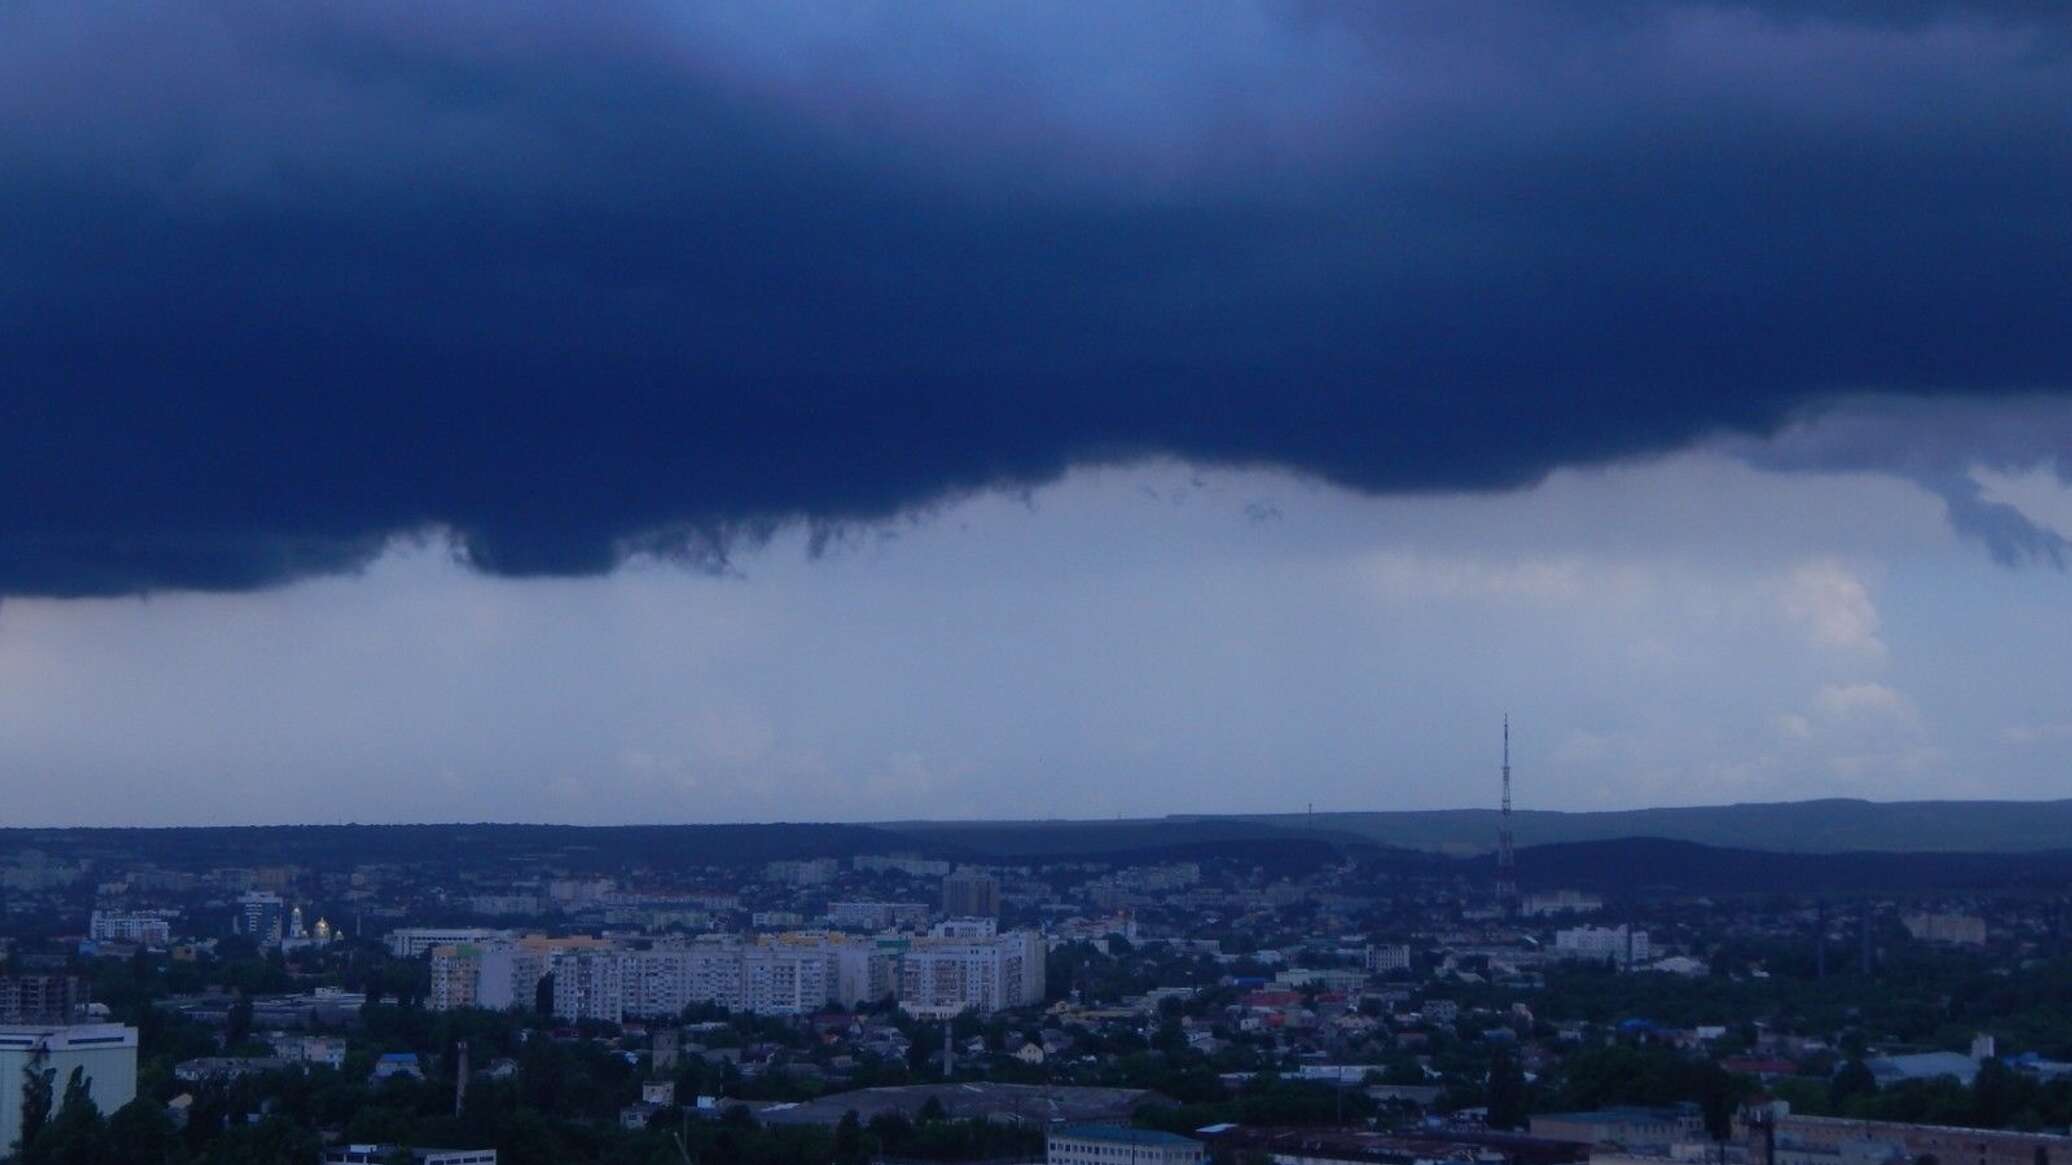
(1506, 858)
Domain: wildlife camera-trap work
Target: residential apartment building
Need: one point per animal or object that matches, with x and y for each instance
(412, 941)
(38, 999)
(1956, 929)
(1385, 957)
(876, 916)
(588, 984)
(148, 927)
(942, 977)
(971, 894)
(263, 917)
(1620, 945)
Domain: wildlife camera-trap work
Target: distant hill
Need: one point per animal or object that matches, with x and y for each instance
(1055, 840)
(1640, 865)
(1828, 826)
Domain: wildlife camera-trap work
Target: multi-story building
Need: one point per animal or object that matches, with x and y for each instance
(814, 872)
(105, 1054)
(911, 867)
(865, 973)
(1956, 929)
(262, 917)
(149, 927)
(787, 978)
(1117, 1145)
(456, 977)
(588, 985)
(656, 983)
(411, 941)
(1560, 902)
(714, 975)
(875, 916)
(1620, 945)
(498, 973)
(971, 894)
(942, 977)
(1385, 957)
(51, 999)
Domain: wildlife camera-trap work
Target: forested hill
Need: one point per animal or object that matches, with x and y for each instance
(1826, 826)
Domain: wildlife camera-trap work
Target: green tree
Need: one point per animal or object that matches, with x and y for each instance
(75, 1136)
(1993, 1095)
(141, 1133)
(1853, 1080)
(36, 1096)
(1504, 1093)
(238, 1024)
(849, 1146)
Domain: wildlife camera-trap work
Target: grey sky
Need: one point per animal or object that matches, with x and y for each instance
(662, 411)
(1139, 641)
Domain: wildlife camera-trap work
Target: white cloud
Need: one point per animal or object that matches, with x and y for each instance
(2036, 733)
(1411, 576)
(1862, 700)
(1834, 606)
(2039, 493)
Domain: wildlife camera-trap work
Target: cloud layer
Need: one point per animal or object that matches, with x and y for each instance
(574, 282)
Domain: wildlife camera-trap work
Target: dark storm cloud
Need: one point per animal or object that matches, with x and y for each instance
(571, 281)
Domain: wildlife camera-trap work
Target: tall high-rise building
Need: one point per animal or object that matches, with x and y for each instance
(587, 985)
(942, 977)
(262, 917)
(971, 894)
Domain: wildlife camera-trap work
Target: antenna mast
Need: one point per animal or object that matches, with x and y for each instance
(1506, 859)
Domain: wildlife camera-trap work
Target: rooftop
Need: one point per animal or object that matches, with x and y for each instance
(1121, 1135)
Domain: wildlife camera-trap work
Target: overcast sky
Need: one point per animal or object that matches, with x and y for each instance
(660, 412)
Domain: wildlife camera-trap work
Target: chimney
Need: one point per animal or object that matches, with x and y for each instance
(1981, 1047)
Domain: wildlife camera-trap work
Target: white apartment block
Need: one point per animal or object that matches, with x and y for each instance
(942, 977)
(1560, 902)
(810, 872)
(911, 867)
(864, 973)
(1959, 929)
(588, 985)
(413, 941)
(148, 927)
(789, 974)
(1612, 944)
(456, 977)
(1385, 957)
(876, 916)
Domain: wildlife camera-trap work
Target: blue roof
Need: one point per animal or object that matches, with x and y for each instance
(1121, 1135)
(399, 1057)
